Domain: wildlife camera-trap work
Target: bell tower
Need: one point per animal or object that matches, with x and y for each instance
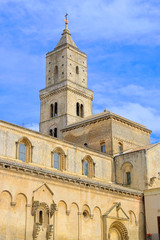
(66, 98)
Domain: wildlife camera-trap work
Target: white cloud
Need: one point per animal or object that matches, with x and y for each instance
(118, 20)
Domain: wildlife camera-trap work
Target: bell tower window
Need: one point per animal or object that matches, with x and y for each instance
(77, 109)
(55, 109)
(56, 73)
(55, 132)
(51, 110)
(77, 70)
(80, 109)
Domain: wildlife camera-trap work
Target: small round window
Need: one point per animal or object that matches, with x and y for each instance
(85, 214)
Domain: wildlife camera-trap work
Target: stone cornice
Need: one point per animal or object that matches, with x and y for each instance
(106, 116)
(64, 46)
(65, 86)
(36, 171)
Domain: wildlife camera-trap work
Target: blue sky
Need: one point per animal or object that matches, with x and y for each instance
(120, 37)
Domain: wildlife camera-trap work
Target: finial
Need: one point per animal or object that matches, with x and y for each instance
(66, 21)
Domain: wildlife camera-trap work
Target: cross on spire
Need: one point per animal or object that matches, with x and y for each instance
(66, 16)
(66, 21)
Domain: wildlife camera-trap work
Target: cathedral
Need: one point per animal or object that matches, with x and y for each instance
(82, 176)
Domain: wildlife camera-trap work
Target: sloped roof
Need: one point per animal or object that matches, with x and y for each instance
(102, 116)
(140, 148)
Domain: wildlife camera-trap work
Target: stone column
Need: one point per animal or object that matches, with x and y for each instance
(80, 215)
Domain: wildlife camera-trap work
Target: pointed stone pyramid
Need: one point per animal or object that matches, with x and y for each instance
(66, 39)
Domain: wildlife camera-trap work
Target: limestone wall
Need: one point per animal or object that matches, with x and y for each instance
(134, 162)
(131, 137)
(152, 199)
(93, 134)
(42, 151)
(78, 209)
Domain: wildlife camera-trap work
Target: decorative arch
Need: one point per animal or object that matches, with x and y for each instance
(6, 191)
(86, 211)
(88, 166)
(74, 204)
(23, 196)
(42, 214)
(131, 213)
(97, 208)
(63, 204)
(119, 229)
(58, 159)
(86, 207)
(24, 150)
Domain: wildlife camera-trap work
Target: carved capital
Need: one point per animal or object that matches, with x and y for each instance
(53, 208)
(13, 204)
(35, 206)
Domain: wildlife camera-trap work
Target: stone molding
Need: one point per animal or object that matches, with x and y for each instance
(106, 116)
(36, 171)
(66, 88)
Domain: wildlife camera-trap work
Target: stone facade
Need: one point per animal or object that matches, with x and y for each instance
(109, 129)
(82, 177)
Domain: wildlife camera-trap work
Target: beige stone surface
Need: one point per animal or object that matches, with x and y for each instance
(152, 209)
(110, 129)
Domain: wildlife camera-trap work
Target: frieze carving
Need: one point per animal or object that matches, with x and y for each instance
(49, 232)
(71, 179)
(36, 230)
(53, 208)
(35, 206)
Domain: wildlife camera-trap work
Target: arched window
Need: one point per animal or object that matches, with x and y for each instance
(51, 132)
(88, 167)
(77, 70)
(120, 148)
(127, 173)
(77, 108)
(81, 111)
(24, 150)
(55, 132)
(40, 217)
(128, 178)
(56, 74)
(55, 109)
(51, 110)
(58, 159)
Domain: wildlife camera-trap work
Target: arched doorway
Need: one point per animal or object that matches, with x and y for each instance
(118, 231)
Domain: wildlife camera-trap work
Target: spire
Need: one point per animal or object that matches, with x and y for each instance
(66, 36)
